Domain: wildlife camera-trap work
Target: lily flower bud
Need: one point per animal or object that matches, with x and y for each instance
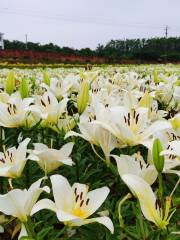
(83, 97)
(10, 83)
(46, 78)
(157, 158)
(24, 88)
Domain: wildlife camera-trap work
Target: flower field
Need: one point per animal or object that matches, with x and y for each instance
(90, 153)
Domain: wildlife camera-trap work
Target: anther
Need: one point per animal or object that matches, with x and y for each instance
(147, 165)
(134, 114)
(43, 103)
(87, 201)
(81, 195)
(9, 110)
(49, 100)
(141, 166)
(14, 108)
(77, 198)
(137, 118)
(81, 203)
(2, 160)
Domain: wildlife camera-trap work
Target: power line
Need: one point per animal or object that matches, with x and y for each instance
(81, 19)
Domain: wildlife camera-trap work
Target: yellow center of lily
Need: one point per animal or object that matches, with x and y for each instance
(81, 208)
(79, 212)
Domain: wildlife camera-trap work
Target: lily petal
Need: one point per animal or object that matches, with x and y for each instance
(142, 190)
(43, 204)
(62, 191)
(97, 197)
(106, 221)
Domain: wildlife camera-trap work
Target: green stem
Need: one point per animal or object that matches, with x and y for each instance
(29, 229)
(121, 221)
(141, 224)
(93, 148)
(174, 189)
(113, 170)
(161, 188)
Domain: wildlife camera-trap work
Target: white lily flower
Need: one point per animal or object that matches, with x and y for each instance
(170, 161)
(14, 113)
(173, 149)
(48, 108)
(175, 121)
(73, 205)
(172, 154)
(59, 88)
(96, 135)
(19, 203)
(130, 127)
(67, 123)
(176, 93)
(12, 161)
(50, 159)
(164, 92)
(136, 165)
(148, 201)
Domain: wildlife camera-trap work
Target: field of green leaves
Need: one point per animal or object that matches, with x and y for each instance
(90, 154)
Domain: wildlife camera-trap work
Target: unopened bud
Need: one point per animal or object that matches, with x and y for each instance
(157, 158)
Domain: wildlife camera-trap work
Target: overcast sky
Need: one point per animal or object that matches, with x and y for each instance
(85, 23)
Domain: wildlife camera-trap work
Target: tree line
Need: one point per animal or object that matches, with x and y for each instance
(153, 49)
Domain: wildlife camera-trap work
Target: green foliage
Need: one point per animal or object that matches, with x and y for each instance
(90, 170)
(153, 49)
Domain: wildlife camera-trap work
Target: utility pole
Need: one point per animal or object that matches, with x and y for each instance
(166, 31)
(166, 47)
(26, 36)
(1, 41)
